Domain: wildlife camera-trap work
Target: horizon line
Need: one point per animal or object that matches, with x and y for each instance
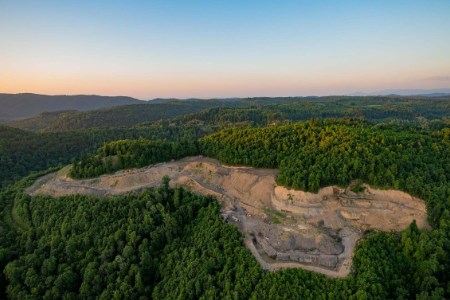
(420, 91)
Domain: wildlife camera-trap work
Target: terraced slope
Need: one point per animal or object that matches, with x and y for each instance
(283, 228)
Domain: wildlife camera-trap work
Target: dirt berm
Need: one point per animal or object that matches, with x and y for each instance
(282, 227)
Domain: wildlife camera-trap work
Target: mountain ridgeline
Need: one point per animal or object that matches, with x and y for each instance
(20, 106)
(69, 117)
(168, 243)
(22, 152)
(309, 155)
(177, 247)
(253, 111)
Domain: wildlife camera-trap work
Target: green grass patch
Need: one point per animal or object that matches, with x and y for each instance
(275, 216)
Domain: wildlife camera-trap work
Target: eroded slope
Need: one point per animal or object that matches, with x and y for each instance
(282, 227)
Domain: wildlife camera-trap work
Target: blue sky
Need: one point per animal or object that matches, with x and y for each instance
(228, 48)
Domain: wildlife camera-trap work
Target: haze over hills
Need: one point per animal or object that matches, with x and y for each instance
(20, 106)
(27, 105)
(406, 92)
(124, 115)
(127, 115)
(256, 111)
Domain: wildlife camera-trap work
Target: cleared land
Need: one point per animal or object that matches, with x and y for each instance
(283, 228)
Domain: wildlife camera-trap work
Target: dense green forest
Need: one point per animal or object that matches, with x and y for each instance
(255, 111)
(126, 154)
(335, 151)
(170, 244)
(309, 155)
(80, 246)
(26, 105)
(373, 109)
(129, 115)
(167, 243)
(319, 153)
(22, 151)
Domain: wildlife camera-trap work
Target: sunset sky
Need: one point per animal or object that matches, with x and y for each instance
(149, 49)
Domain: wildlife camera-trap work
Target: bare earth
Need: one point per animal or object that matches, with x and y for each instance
(283, 228)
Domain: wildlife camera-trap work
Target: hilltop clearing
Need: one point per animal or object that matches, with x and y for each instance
(283, 228)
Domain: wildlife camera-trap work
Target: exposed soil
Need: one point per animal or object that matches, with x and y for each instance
(283, 228)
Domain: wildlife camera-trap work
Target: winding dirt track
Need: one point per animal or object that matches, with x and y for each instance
(282, 228)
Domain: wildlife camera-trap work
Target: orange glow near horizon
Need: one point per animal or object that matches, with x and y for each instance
(150, 49)
(209, 85)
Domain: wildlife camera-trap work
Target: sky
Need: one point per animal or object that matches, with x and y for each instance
(212, 48)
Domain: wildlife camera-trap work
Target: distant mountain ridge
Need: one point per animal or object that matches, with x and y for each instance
(260, 111)
(20, 106)
(129, 115)
(46, 108)
(406, 92)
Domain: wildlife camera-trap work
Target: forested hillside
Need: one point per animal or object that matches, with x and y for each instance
(19, 106)
(129, 115)
(22, 152)
(309, 155)
(254, 111)
(373, 109)
(170, 244)
(210, 186)
(85, 247)
(126, 154)
(320, 153)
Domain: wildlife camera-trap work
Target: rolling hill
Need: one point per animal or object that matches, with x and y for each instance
(21, 106)
(129, 115)
(256, 111)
